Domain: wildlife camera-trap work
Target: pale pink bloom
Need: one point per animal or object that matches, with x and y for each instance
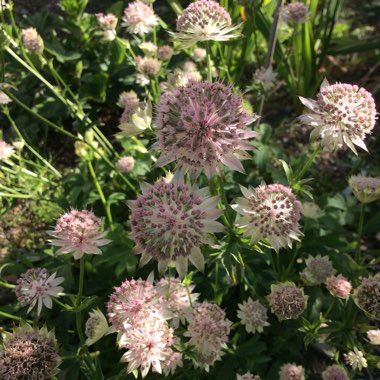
(129, 101)
(172, 361)
(78, 232)
(203, 126)
(311, 210)
(4, 98)
(343, 114)
(204, 20)
(148, 66)
(125, 164)
(107, 21)
(199, 54)
(32, 41)
(208, 331)
(356, 359)
(248, 376)
(365, 189)
(170, 221)
(179, 301)
(165, 52)
(287, 301)
(265, 76)
(291, 371)
(317, 270)
(253, 315)
(374, 336)
(296, 12)
(334, 372)
(133, 301)
(339, 286)
(6, 150)
(37, 287)
(149, 345)
(270, 212)
(139, 18)
(149, 48)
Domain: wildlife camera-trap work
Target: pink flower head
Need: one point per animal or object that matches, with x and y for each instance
(204, 20)
(253, 315)
(296, 12)
(291, 371)
(37, 286)
(133, 301)
(269, 212)
(6, 150)
(128, 100)
(248, 376)
(374, 336)
(208, 331)
(317, 270)
(180, 300)
(170, 222)
(148, 66)
(343, 114)
(139, 18)
(334, 372)
(165, 52)
(32, 41)
(202, 126)
(125, 164)
(78, 232)
(365, 189)
(107, 22)
(339, 286)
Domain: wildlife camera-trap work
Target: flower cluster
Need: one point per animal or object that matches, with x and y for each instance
(343, 114)
(317, 270)
(208, 331)
(334, 372)
(36, 287)
(287, 301)
(170, 222)
(202, 126)
(248, 376)
(148, 68)
(164, 52)
(96, 327)
(291, 371)
(356, 359)
(296, 12)
(204, 20)
(32, 41)
(107, 23)
(269, 212)
(339, 286)
(6, 150)
(365, 189)
(367, 295)
(4, 98)
(253, 315)
(78, 232)
(29, 354)
(137, 121)
(139, 18)
(125, 164)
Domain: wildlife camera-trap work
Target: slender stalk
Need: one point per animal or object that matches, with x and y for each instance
(209, 69)
(225, 67)
(360, 230)
(101, 194)
(307, 164)
(10, 316)
(79, 301)
(7, 285)
(64, 306)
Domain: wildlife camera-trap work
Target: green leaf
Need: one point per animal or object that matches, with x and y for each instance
(94, 87)
(60, 53)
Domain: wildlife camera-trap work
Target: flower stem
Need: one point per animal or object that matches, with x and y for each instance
(209, 70)
(360, 230)
(10, 316)
(79, 301)
(307, 164)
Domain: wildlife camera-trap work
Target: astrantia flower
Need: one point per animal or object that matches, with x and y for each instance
(287, 301)
(291, 371)
(199, 54)
(204, 20)
(367, 295)
(107, 21)
(149, 345)
(334, 372)
(295, 12)
(356, 359)
(78, 232)
(6, 150)
(139, 18)
(248, 376)
(343, 114)
(29, 354)
(269, 212)
(138, 122)
(265, 76)
(96, 327)
(148, 66)
(149, 48)
(125, 164)
(202, 126)
(133, 301)
(4, 98)
(128, 100)
(180, 300)
(311, 210)
(170, 222)
(374, 336)
(253, 315)
(164, 52)
(317, 270)
(208, 331)
(32, 41)
(36, 287)
(339, 286)
(365, 189)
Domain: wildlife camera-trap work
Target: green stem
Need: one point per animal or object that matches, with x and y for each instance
(225, 67)
(307, 164)
(209, 70)
(10, 316)
(360, 230)
(79, 301)
(7, 285)
(101, 194)
(64, 306)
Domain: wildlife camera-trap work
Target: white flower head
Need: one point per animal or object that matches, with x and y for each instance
(356, 359)
(138, 122)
